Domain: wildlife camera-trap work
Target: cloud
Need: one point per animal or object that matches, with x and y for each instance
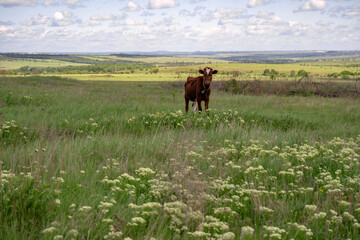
(168, 21)
(64, 18)
(155, 4)
(147, 14)
(37, 19)
(312, 5)
(188, 13)
(347, 12)
(90, 23)
(323, 23)
(134, 22)
(225, 15)
(132, 7)
(48, 3)
(72, 3)
(7, 23)
(353, 10)
(18, 3)
(108, 17)
(128, 22)
(229, 13)
(256, 3)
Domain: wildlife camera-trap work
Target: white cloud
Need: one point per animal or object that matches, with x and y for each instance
(147, 14)
(323, 23)
(108, 17)
(71, 3)
(312, 5)
(229, 13)
(255, 3)
(265, 14)
(58, 16)
(48, 3)
(64, 18)
(225, 15)
(170, 21)
(131, 7)
(188, 13)
(128, 22)
(154, 4)
(37, 19)
(90, 23)
(352, 10)
(134, 22)
(17, 3)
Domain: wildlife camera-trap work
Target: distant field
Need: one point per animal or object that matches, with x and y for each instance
(176, 60)
(15, 64)
(311, 67)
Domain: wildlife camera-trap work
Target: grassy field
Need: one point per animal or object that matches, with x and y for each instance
(15, 64)
(121, 160)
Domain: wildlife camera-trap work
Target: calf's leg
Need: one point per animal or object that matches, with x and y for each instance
(186, 104)
(194, 106)
(207, 103)
(199, 104)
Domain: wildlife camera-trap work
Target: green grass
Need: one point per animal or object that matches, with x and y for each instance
(103, 159)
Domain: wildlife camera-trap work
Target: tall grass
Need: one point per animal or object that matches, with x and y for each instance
(94, 160)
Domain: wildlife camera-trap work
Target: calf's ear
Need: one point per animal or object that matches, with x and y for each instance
(201, 71)
(215, 72)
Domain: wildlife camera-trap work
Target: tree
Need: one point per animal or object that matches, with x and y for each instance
(303, 73)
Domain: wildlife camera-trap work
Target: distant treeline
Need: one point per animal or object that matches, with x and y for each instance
(124, 55)
(85, 69)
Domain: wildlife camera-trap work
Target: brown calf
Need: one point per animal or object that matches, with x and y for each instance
(198, 88)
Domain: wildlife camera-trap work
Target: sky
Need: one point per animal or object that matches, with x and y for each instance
(175, 25)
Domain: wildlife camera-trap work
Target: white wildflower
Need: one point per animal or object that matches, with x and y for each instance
(246, 231)
(49, 230)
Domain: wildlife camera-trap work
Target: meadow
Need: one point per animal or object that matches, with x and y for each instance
(109, 160)
(15, 64)
(120, 159)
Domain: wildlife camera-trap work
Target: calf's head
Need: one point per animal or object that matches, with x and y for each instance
(208, 72)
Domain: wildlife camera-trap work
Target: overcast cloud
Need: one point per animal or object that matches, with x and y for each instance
(174, 25)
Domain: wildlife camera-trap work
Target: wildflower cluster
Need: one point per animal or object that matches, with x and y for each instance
(178, 120)
(89, 127)
(11, 132)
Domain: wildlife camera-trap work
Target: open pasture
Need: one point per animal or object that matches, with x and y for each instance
(43, 63)
(121, 160)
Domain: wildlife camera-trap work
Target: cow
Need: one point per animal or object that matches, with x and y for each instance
(198, 88)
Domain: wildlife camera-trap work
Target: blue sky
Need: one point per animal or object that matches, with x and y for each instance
(174, 25)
